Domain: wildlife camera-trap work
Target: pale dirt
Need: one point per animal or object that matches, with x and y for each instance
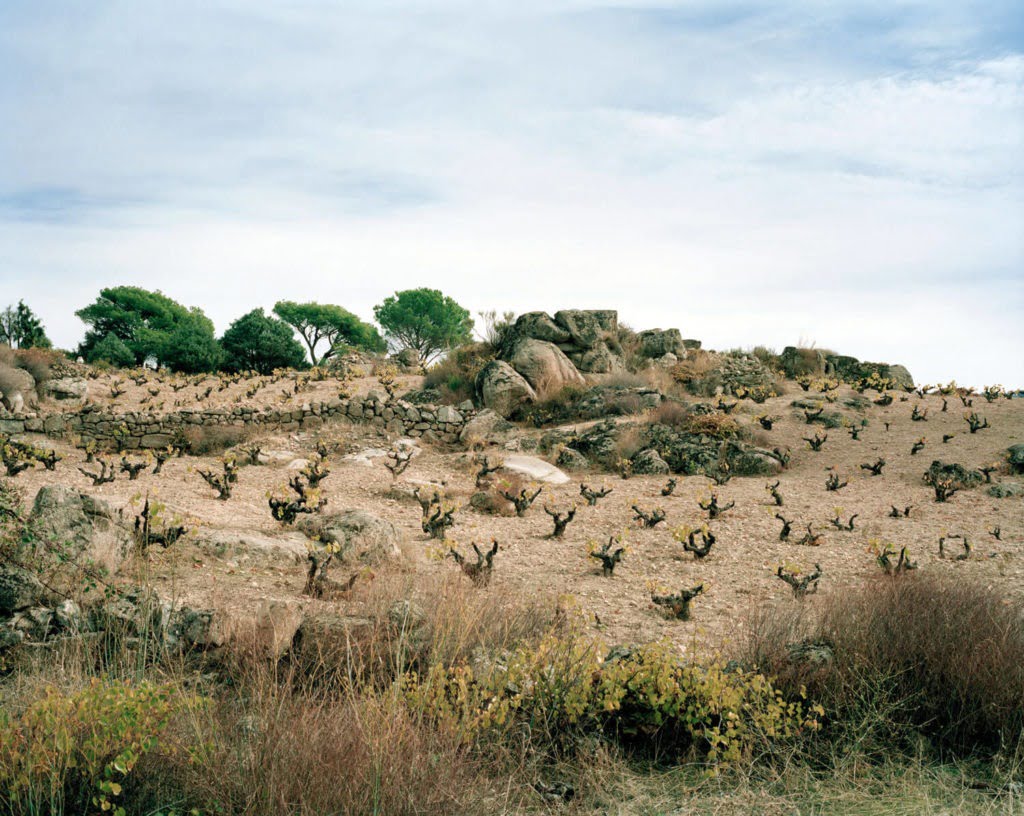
(737, 576)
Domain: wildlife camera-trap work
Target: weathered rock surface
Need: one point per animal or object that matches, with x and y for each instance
(69, 389)
(656, 343)
(83, 526)
(251, 547)
(487, 426)
(545, 366)
(534, 468)
(17, 389)
(362, 537)
(502, 389)
(650, 463)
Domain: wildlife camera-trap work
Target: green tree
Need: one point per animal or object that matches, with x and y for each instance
(256, 342)
(192, 347)
(141, 319)
(21, 328)
(111, 349)
(151, 325)
(318, 322)
(424, 320)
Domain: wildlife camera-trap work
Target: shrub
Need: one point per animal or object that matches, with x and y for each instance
(74, 753)
(454, 377)
(38, 362)
(716, 425)
(670, 413)
(936, 655)
(648, 697)
(202, 440)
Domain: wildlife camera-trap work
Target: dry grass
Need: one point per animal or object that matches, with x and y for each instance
(921, 653)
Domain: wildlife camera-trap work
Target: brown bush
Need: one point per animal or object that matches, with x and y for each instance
(673, 414)
(717, 425)
(698, 363)
(921, 653)
(38, 362)
(215, 439)
(269, 749)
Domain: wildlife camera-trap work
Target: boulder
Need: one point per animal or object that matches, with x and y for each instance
(19, 589)
(649, 462)
(545, 366)
(656, 343)
(327, 640)
(502, 389)
(584, 330)
(66, 389)
(362, 536)
(253, 548)
(798, 362)
(17, 389)
(83, 526)
(599, 360)
(1015, 456)
(408, 358)
(540, 326)
(536, 469)
(487, 426)
(572, 459)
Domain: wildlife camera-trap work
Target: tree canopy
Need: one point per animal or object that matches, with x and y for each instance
(151, 325)
(425, 320)
(21, 328)
(256, 342)
(111, 349)
(325, 322)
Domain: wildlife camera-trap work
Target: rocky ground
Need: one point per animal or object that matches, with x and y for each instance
(237, 560)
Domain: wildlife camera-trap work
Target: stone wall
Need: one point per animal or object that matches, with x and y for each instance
(432, 423)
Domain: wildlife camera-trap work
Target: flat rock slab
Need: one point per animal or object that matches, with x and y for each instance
(252, 547)
(536, 469)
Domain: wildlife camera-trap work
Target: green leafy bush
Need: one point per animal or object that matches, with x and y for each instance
(72, 753)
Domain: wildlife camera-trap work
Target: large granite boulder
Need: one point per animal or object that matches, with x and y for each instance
(534, 468)
(648, 462)
(584, 329)
(1015, 457)
(488, 427)
(17, 389)
(540, 326)
(362, 537)
(84, 528)
(545, 366)
(66, 389)
(800, 362)
(656, 343)
(502, 389)
(587, 337)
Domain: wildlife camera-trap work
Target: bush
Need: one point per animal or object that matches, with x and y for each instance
(919, 654)
(202, 440)
(73, 753)
(454, 377)
(646, 697)
(38, 362)
(670, 413)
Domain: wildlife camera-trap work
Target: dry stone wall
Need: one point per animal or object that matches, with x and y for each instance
(432, 423)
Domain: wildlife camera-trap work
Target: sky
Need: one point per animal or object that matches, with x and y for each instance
(848, 174)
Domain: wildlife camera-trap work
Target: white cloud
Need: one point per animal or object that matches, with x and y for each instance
(750, 174)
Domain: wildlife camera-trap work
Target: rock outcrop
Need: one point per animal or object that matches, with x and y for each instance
(83, 527)
(502, 389)
(362, 537)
